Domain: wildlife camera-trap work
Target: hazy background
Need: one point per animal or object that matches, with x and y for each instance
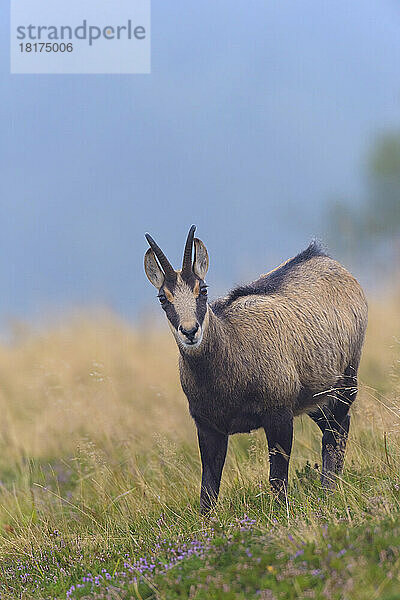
(264, 123)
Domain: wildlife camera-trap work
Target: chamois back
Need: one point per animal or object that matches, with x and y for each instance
(273, 281)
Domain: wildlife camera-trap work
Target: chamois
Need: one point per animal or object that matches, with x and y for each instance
(286, 344)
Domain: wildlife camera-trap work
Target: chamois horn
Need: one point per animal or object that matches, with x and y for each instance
(187, 255)
(162, 259)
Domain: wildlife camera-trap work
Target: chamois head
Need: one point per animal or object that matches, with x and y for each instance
(182, 294)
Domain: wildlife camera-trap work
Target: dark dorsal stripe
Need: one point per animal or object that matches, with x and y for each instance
(271, 282)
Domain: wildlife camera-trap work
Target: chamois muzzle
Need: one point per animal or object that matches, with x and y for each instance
(190, 334)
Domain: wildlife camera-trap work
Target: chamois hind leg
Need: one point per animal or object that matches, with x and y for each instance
(279, 431)
(334, 421)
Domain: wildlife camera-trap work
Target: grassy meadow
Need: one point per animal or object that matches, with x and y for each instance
(100, 475)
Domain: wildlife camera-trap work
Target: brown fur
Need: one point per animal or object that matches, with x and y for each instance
(170, 296)
(284, 349)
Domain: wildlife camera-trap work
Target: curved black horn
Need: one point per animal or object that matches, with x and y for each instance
(187, 254)
(162, 259)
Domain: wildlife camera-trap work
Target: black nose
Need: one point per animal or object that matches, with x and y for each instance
(189, 333)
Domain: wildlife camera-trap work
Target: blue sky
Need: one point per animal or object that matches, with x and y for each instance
(256, 114)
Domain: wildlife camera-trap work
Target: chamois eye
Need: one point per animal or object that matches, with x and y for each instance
(203, 290)
(163, 299)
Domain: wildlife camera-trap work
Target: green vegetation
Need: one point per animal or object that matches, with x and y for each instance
(99, 480)
(371, 227)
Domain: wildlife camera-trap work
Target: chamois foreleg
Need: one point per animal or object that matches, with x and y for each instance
(213, 446)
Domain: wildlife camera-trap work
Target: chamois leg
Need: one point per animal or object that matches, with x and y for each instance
(279, 431)
(213, 446)
(334, 422)
(334, 439)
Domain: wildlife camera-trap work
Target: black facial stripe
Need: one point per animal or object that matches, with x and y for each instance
(201, 308)
(172, 315)
(170, 284)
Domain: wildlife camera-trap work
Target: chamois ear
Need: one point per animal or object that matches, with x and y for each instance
(152, 268)
(200, 264)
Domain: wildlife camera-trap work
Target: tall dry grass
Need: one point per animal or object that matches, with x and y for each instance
(96, 378)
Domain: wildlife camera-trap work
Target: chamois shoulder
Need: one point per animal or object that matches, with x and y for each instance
(272, 282)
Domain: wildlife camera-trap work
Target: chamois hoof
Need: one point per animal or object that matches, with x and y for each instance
(328, 482)
(279, 490)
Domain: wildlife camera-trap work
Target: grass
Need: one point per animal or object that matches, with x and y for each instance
(99, 479)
